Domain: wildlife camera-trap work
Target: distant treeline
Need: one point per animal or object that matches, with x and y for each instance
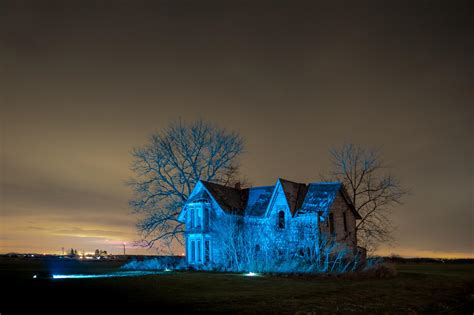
(403, 260)
(109, 257)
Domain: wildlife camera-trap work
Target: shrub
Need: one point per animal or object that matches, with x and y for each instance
(158, 263)
(380, 271)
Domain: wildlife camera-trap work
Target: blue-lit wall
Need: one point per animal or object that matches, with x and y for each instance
(210, 243)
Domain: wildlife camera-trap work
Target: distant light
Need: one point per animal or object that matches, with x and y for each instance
(251, 274)
(166, 269)
(34, 276)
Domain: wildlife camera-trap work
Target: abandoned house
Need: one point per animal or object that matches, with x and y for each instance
(291, 216)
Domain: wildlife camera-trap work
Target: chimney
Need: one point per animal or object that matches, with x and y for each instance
(237, 185)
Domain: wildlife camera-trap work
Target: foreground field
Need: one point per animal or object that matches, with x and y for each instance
(418, 288)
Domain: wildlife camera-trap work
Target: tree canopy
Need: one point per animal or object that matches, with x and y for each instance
(167, 168)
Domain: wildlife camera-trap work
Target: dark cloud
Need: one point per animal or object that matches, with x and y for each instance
(84, 82)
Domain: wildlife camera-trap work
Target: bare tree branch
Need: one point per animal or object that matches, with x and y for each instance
(372, 190)
(168, 167)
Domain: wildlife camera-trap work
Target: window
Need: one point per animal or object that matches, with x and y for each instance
(345, 222)
(257, 249)
(191, 224)
(207, 257)
(199, 250)
(206, 217)
(301, 252)
(198, 217)
(281, 219)
(193, 251)
(331, 223)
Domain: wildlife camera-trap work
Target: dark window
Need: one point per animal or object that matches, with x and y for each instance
(206, 251)
(257, 248)
(331, 223)
(204, 218)
(192, 218)
(208, 217)
(281, 219)
(345, 222)
(193, 251)
(198, 218)
(199, 251)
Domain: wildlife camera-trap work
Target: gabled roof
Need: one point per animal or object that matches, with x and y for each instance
(202, 195)
(320, 196)
(294, 193)
(254, 201)
(229, 199)
(258, 200)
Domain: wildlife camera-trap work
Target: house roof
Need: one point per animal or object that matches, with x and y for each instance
(229, 199)
(320, 196)
(300, 197)
(258, 200)
(294, 193)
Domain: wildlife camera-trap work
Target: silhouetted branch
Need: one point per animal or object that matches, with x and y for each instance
(168, 167)
(371, 188)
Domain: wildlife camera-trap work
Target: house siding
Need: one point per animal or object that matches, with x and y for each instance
(338, 209)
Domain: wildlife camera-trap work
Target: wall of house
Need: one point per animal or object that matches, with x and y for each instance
(339, 209)
(271, 222)
(267, 230)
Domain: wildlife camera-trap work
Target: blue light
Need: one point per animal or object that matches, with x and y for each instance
(251, 274)
(107, 275)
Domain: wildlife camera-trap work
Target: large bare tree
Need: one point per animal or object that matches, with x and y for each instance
(373, 190)
(167, 168)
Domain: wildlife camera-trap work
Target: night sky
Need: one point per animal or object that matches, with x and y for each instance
(82, 83)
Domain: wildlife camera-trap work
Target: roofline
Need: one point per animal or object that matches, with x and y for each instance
(342, 189)
(325, 183)
(345, 195)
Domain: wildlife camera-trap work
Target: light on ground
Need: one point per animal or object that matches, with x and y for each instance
(251, 274)
(107, 275)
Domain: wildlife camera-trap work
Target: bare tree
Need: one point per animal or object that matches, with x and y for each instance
(167, 169)
(371, 188)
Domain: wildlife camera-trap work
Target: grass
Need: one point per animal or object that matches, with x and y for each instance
(418, 288)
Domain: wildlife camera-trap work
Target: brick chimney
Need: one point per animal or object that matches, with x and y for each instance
(237, 185)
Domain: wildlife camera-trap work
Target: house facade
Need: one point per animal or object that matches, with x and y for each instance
(288, 216)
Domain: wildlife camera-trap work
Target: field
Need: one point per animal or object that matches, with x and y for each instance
(418, 288)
